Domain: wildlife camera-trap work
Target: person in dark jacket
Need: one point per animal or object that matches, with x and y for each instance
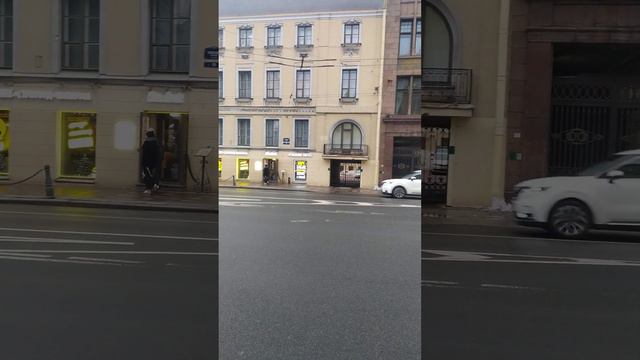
(265, 175)
(151, 157)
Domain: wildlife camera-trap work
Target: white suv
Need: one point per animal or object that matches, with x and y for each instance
(604, 196)
(410, 184)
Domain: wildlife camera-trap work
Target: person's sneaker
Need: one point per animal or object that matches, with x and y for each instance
(156, 187)
(147, 191)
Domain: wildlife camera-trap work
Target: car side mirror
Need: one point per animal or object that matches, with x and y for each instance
(413, 178)
(613, 175)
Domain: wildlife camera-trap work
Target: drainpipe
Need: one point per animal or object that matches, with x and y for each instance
(500, 136)
(376, 172)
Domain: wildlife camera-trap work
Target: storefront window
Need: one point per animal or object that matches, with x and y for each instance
(219, 167)
(78, 153)
(5, 142)
(243, 168)
(301, 170)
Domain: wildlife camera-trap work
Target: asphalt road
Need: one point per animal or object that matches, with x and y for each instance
(82, 284)
(318, 276)
(502, 292)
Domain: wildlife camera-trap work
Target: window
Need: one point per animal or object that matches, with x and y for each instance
(408, 99)
(78, 145)
(220, 132)
(418, 42)
(80, 34)
(221, 38)
(405, 37)
(301, 133)
(274, 35)
(6, 34)
(438, 39)
(170, 35)
(346, 136)
(349, 83)
(273, 84)
(245, 37)
(5, 142)
(244, 132)
(220, 85)
(244, 84)
(243, 168)
(351, 33)
(272, 133)
(304, 35)
(303, 84)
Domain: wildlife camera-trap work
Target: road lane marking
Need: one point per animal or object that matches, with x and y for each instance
(4, 238)
(465, 256)
(13, 251)
(58, 260)
(324, 203)
(107, 260)
(439, 282)
(29, 255)
(300, 221)
(110, 234)
(511, 287)
(109, 217)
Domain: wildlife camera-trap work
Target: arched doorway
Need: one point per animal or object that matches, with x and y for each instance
(346, 136)
(347, 144)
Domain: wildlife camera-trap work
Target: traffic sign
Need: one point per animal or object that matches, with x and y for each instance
(211, 53)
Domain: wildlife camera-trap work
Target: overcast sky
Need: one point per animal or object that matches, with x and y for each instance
(259, 7)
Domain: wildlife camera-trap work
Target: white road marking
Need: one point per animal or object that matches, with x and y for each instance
(464, 256)
(58, 260)
(323, 203)
(29, 255)
(61, 241)
(12, 251)
(107, 260)
(109, 234)
(510, 287)
(440, 282)
(109, 217)
(376, 213)
(300, 221)
(237, 198)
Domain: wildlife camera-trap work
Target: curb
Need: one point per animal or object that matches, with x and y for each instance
(104, 204)
(262, 188)
(299, 190)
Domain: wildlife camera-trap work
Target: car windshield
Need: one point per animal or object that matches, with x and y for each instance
(409, 176)
(602, 167)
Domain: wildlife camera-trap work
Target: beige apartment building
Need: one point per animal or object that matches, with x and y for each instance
(463, 101)
(81, 81)
(401, 143)
(300, 95)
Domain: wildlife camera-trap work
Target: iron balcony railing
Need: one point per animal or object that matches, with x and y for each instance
(446, 85)
(349, 150)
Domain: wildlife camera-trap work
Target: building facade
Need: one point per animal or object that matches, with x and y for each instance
(300, 96)
(463, 101)
(401, 137)
(574, 85)
(81, 81)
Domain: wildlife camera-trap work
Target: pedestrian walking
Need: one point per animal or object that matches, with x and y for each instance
(151, 158)
(265, 175)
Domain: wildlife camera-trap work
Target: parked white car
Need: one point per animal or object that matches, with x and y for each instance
(410, 184)
(604, 196)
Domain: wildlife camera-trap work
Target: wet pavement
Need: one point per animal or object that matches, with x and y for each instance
(91, 195)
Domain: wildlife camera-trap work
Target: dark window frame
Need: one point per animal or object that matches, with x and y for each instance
(299, 140)
(173, 45)
(6, 40)
(86, 43)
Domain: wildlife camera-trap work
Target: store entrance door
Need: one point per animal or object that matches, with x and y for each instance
(272, 164)
(436, 166)
(171, 131)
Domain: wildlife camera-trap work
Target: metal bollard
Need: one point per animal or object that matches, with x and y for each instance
(233, 177)
(289, 180)
(48, 184)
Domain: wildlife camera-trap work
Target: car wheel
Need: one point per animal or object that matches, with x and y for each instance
(399, 192)
(570, 219)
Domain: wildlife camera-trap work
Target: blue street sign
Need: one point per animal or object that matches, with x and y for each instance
(211, 53)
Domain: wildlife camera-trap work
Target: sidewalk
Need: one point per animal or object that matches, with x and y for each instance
(438, 214)
(84, 195)
(298, 187)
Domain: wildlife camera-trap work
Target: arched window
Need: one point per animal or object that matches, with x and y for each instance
(437, 39)
(346, 136)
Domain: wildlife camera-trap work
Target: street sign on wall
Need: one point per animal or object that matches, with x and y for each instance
(211, 57)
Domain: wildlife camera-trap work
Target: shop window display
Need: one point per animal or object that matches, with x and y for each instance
(78, 155)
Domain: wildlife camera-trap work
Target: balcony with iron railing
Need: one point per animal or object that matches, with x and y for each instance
(446, 86)
(346, 150)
